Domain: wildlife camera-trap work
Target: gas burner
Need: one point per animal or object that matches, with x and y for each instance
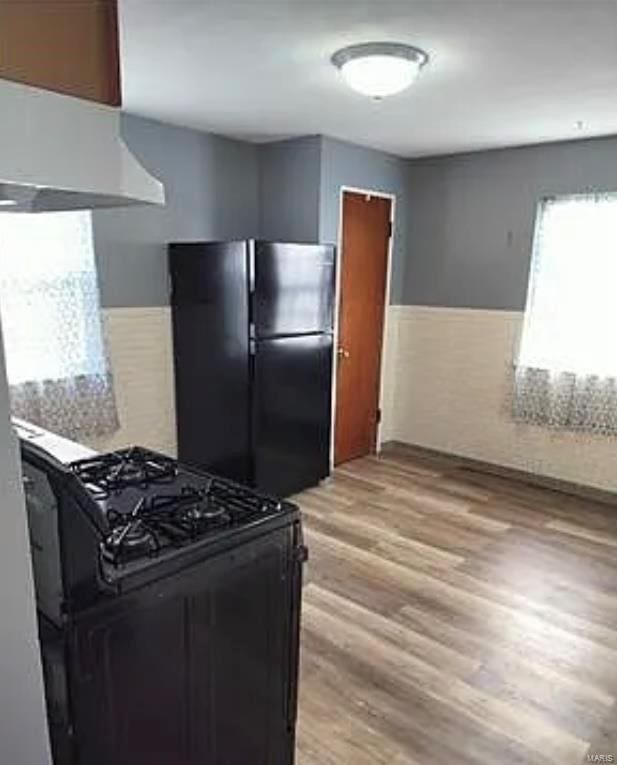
(111, 473)
(202, 512)
(132, 540)
(170, 504)
(202, 515)
(192, 510)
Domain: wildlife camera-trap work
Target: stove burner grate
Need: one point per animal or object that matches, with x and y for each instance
(176, 505)
(164, 520)
(108, 474)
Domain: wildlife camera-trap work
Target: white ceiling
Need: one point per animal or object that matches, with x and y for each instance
(501, 73)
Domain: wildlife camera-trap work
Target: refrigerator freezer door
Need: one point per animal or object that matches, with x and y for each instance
(291, 412)
(211, 355)
(294, 289)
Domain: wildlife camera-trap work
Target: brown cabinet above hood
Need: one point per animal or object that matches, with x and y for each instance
(68, 46)
(60, 141)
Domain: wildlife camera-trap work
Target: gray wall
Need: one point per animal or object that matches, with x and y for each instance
(212, 193)
(346, 164)
(219, 188)
(471, 217)
(463, 227)
(289, 189)
(300, 182)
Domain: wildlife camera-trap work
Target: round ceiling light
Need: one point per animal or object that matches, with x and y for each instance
(379, 69)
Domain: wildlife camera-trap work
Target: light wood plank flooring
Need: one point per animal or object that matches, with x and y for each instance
(452, 616)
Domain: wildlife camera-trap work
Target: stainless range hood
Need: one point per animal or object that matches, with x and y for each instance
(62, 153)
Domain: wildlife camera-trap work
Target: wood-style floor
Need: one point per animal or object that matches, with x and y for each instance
(452, 616)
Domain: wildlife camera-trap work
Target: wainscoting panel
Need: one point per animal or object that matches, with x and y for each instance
(445, 387)
(389, 377)
(448, 375)
(140, 347)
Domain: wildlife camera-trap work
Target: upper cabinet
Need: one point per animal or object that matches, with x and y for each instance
(69, 46)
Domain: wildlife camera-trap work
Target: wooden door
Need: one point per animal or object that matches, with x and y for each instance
(365, 240)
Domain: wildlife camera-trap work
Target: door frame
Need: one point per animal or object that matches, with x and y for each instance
(337, 305)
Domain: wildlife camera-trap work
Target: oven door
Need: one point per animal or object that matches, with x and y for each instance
(198, 667)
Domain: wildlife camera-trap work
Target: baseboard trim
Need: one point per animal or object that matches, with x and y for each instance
(591, 493)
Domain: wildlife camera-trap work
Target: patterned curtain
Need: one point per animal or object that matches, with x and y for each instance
(57, 362)
(566, 372)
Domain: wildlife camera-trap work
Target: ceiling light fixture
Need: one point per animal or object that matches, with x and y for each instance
(379, 69)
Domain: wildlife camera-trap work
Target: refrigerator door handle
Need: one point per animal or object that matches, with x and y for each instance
(252, 419)
(251, 307)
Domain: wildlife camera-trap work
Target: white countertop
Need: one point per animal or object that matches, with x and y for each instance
(61, 448)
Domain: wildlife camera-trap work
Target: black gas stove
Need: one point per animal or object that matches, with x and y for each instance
(152, 505)
(121, 519)
(169, 611)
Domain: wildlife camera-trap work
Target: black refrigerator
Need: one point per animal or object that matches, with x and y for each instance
(252, 332)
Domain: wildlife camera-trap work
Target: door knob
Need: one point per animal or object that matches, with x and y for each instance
(343, 354)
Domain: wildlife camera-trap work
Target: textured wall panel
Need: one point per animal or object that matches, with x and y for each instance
(448, 383)
(140, 347)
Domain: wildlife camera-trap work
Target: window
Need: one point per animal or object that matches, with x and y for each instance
(567, 363)
(49, 304)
